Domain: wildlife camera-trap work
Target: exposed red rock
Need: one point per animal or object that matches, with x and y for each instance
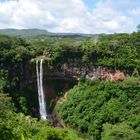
(112, 75)
(62, 99)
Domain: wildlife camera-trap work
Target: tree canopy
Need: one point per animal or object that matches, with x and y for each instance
(104, 110)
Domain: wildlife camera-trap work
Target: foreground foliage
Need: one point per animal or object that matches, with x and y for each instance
(17, 126)
(104, 110)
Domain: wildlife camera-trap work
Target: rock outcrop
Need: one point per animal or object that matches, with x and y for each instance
(74, 69)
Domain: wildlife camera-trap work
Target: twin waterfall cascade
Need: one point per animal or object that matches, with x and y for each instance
(41, 96)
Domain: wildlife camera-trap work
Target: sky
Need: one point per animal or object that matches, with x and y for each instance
(71, 16)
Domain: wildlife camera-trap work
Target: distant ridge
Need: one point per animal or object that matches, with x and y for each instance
(37, 33)
(26, 33)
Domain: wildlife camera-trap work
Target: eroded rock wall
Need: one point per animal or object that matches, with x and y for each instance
(74, 69)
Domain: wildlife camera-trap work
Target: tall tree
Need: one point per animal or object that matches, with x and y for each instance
(138, 28)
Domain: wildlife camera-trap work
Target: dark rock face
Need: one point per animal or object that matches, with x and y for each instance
(73, 69)
(49, 91)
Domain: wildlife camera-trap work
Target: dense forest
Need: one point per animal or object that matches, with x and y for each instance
(93, 110)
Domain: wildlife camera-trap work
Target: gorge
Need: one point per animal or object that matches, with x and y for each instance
(68, 75)
(92, 88)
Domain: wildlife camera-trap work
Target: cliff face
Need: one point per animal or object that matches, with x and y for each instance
(74, 69)
(61, 78)
(68, 73)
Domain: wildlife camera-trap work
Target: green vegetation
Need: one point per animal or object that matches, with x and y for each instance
(26, 33)
(97, 110)
(104, 110)
(38, 33)
(17, 126)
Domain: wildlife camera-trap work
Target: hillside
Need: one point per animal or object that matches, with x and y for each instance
(39, 33)
(26, 33)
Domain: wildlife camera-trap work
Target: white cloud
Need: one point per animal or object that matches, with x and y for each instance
(64, 16)
(110, 20)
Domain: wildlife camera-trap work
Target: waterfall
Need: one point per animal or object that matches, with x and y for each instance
(41, 96)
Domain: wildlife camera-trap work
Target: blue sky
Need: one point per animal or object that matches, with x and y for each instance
(91, 3)
(75, 16)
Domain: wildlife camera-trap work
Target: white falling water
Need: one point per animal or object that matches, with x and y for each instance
(41, 96)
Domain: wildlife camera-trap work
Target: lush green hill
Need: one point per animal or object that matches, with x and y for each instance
(26, 33)
(39, 33)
